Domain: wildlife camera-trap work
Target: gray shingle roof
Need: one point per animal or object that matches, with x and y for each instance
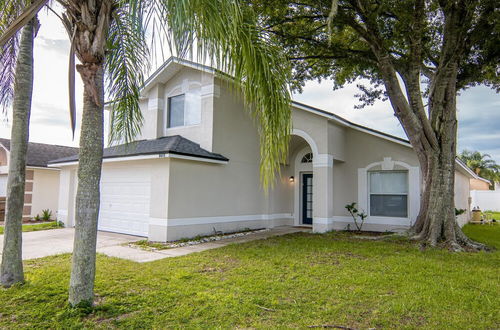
(39, 154)
(165, 145)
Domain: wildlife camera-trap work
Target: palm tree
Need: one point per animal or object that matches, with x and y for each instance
(481, 164)
(16, 82)
(108, 38)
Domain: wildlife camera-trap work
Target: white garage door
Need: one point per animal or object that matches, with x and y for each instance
(3, 185)
(125, 195)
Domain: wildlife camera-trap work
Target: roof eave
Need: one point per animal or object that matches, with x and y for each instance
(143, 156)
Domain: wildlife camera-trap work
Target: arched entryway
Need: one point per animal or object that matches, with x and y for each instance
(313, 185)
(304, 188)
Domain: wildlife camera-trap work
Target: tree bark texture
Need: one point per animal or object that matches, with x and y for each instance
(11, 269)
(88, 195)
(87, 23)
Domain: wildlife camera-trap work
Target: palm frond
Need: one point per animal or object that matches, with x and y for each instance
(226, 34)
(126, 62)
(10, 10)
(8, 59)
(27, 13)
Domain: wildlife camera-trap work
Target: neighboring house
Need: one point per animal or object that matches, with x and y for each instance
(465, 178)
(195, 168)
(479, 183)
(42, 182)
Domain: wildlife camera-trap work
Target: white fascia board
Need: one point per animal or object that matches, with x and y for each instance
(173, 61)
(365, 130)
(198, 159)
(466, 169)
(42, 168)
(469, 171)
(483, 179)
(143, 157)
(346, 123)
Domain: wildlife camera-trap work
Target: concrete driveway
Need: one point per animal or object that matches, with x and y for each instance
(39, 244)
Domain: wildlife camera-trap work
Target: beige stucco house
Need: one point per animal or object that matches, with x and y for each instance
(42, 182)
(195, 168)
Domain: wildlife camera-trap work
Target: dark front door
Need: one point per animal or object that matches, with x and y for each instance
(307, 199)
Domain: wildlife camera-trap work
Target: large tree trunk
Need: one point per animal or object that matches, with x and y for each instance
(81, 290)
(436, 222)
(11, 270)
(87, 23)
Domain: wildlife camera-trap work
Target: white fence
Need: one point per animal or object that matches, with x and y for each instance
(485, 200)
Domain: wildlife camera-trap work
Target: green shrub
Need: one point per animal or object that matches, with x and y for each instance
(46, 215)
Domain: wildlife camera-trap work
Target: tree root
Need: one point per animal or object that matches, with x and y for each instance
(459, 244)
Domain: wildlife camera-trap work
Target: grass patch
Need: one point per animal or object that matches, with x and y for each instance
(292, 281)
(496, 215)
(39, 226)
(489, 234)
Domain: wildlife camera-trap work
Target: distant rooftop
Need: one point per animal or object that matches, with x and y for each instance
(39, 154)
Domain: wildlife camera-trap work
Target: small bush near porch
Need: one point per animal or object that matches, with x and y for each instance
(297, 280)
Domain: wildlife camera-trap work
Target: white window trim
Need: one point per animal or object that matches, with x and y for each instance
(413, 191)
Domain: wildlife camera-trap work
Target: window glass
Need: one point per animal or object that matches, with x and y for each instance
(192, 108)
(389, 193)
(389, 205)
(388, 182)
(176, 111)
(308, 158)
(185, 109)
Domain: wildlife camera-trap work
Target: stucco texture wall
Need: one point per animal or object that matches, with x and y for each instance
(205, 190)
(45, 191)
(362, 149)
(154, 109)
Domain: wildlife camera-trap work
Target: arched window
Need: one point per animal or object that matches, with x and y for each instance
(308, 158)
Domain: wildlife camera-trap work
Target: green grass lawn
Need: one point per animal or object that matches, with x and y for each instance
(496, 215)
(297, 280)
(39, 226)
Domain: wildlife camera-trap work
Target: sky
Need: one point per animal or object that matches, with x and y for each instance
(478, 107)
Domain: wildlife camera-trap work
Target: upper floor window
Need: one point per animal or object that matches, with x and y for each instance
(184, 109)
(308, 158)
(389, 193)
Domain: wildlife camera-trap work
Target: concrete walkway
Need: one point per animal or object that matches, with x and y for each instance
(45, 243)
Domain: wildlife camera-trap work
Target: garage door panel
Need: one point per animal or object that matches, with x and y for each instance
(125, 198)
(122, 206)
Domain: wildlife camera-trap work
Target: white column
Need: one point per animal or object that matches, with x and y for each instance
(323, 193)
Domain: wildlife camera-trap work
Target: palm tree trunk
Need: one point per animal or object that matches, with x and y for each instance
(81, 291)
(11, 270)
